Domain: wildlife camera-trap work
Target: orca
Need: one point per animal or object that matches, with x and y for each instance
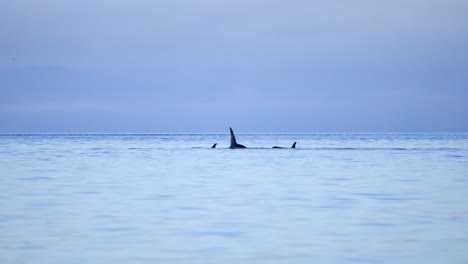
(234, 144)
(214, 146)
(293, 146)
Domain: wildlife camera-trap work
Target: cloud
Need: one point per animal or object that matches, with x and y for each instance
(112, 33)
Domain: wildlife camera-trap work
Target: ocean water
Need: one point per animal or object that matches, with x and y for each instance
(337, 198)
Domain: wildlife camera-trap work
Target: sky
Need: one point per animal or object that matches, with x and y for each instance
(180, 66)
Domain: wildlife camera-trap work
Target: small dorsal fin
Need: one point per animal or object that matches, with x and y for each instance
(294, 145)
(214, 146)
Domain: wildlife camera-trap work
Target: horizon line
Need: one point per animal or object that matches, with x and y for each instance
(213, 133)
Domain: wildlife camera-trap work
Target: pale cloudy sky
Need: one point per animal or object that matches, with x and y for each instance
(258, 66)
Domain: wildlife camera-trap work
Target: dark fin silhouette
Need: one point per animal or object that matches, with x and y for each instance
(214, 146)
(294, 145)
(233, 138)
(276, 147)
(234, 144)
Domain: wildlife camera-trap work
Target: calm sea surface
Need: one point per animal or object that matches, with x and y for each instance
(337, 198)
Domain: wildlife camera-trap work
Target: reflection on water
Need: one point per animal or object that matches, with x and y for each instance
(337, 198)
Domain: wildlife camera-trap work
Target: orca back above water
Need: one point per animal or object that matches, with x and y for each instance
(293, 146)
(234, 144)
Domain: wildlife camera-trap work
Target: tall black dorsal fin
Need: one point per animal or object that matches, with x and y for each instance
(233, 139)
(234, 144)
(294, 145)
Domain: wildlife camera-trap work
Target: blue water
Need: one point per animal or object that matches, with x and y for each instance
(337, 198)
